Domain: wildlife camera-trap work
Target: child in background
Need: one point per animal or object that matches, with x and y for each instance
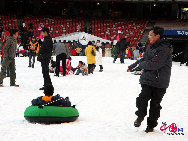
(69, 68)
(78, 50)
(73, 52)
(82, 68)
(56, 100)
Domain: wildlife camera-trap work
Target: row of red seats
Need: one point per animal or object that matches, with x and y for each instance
(130, 29)
(8, 22)
(7, 17)
(57, 26)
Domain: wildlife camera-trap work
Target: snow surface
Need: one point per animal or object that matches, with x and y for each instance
(105, 100)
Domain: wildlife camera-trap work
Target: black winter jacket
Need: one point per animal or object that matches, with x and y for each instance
(123, 44)
(45, 51)
(63, 102)
(156, 64)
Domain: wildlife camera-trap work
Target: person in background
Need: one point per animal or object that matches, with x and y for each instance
(90, 57)
(98, 57)
(44, 56)
(18, 50)
(62, 53)
(156, 65)
(78, 50)
(4, 36)
(82, 68)
(9, 58)
(123, 45)
(52, 65)
(39, 41)
(33, 49)
(73, 52)
(117, 47)
(140, 47)
(136, 53)
(74, 46)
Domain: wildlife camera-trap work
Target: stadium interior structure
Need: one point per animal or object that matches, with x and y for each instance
(131, 19)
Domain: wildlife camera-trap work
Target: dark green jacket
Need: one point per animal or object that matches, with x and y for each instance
(10, 47)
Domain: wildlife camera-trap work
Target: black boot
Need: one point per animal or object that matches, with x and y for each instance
(41, 88)
(149, 129)
(138, 121)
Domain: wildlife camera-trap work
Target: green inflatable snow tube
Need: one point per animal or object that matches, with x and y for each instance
(51, 114)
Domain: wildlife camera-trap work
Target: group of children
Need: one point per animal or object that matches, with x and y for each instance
(80, 69)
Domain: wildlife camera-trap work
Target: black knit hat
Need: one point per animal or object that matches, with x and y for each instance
(48, 90)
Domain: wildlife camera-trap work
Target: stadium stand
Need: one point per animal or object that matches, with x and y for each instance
(57, 25)
(130, 29)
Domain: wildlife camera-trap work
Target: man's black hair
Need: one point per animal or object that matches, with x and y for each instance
(99, 41)
(13, 31)
(80, 62)
(157, 30)
(48, 90)
(89, 43)
(45, 29)
(60, 41)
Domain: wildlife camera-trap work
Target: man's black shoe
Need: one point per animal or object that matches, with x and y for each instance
(148, 129)
(29, 66)
(138, 121)
(14, 85)
(56, 75)
(41, 88)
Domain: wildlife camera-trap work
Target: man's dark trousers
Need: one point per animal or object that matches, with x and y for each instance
(122, 56)
(32, 55)
(45, 72)
(155, 95)
(8, 62)
(61, 57)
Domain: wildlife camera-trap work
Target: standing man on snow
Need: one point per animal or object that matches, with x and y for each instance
(156, 64)
(44, 56)
(62, 53)
(9, 58)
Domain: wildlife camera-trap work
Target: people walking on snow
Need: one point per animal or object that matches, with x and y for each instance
(9, 58)
(90, 53)
(44, 56)
(33, 50)
(156, 64)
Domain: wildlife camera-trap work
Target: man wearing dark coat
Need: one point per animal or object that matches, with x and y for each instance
(156, 65)
(44, 56)
(120, 49)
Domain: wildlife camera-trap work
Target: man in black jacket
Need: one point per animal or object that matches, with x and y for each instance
(44, 56)
(120, 49)
(156, 64)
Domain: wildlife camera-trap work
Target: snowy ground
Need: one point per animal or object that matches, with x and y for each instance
(106, 103)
